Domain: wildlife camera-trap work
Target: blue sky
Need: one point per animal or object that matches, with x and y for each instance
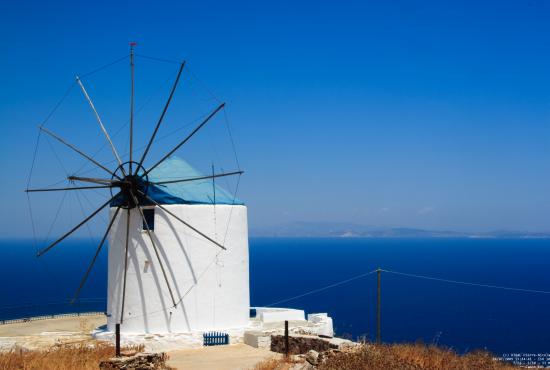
(418, 114)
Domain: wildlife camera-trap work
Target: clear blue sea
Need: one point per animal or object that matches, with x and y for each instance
(460, 316)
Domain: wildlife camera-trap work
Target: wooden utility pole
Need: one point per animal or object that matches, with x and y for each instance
(117, 340)
(378, 309)
(287, 349)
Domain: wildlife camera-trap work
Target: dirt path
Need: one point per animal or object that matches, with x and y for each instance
(69, 324)
(232, 357)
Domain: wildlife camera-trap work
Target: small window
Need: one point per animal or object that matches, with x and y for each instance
(149, 214)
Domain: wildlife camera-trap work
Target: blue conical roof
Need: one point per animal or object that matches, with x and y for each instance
(189, 192)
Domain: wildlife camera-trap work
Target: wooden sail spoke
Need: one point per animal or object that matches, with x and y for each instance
(83, 281)
(98, 118)
(201, 125)
(94, 180)
(154, 247)
(183, 222)
(69, 188)
(128, 214)
(62, 141)
(161, 118)
(41, 252)
(197, 178)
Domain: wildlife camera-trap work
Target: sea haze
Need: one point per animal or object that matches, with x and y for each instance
(464, 317)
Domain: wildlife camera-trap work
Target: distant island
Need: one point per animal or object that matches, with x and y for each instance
(350, 230)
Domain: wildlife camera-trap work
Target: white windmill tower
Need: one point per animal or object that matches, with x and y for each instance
(178, 243)
(179, 276)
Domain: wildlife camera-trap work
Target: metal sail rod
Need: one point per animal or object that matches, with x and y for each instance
(125, 265)
(93, 180)
(101, 124)
(154, 248)
(204, 122)
(83, 281)
(183, 222)
(161, 117)
(73, 188)
(132, 44)
(78, 151)
(198, 178)
(41, 252)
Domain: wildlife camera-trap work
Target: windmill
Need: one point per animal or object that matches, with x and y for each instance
(178, 243)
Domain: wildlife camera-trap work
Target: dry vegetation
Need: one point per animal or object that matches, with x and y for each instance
(270, 364)
(82, 356)
(413, 357)
(402, 357)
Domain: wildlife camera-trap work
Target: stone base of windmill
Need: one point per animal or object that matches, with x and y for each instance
(265, 323)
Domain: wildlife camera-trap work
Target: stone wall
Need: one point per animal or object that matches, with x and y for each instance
(141, 361)
(300, 344)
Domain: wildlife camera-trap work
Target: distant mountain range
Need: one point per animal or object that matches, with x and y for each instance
(349, 230)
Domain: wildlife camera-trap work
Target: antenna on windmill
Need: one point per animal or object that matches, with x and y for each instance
(132, 45)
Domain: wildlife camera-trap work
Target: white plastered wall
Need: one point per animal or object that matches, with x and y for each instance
(210, 285)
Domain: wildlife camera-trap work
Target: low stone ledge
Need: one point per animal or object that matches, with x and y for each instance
(257, 339)
(140, 361)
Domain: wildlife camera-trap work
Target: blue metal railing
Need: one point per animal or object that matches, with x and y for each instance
(32, 311)
(46, 317)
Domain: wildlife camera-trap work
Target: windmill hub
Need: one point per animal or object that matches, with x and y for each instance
(133, 185)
